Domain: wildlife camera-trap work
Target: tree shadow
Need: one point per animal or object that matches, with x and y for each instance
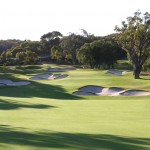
(32, 69)
(37, 89)
(46, 139)
(10, 105)
(29, 67)
(124, 66)
(144, 78)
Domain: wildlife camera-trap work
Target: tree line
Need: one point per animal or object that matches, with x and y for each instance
(73, 49)
(131, 41)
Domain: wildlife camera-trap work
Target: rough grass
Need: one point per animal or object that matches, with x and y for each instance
(46, 115)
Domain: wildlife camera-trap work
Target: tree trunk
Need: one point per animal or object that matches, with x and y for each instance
(137, 70)
(73, 61)
(136, 75)
(73, 58)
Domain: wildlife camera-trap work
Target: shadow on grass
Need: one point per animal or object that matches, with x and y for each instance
(10, 105)
(145, 78)
(124, 66)
(18, 136)
(36, 89)
(29, 67)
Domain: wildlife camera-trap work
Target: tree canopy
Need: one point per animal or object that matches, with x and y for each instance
(98, 54)
(134, 36)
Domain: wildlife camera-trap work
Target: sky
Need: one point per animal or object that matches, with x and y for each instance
(30, 19)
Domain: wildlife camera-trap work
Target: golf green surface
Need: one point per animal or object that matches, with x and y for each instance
(45, 115)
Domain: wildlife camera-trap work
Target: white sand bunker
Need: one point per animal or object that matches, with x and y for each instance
(49, 76)
(60, 69)
(117, 72)
(135, 93)
(5, 82)
(112, 91)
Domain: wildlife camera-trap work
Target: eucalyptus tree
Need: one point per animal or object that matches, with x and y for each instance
(98, 54)
(34, 46)
(85, 55)
(57, 53)
(71, 43)
(49, 40)
(134, 37)
(27, 57)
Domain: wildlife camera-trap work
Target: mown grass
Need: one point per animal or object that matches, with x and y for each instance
(46, 115)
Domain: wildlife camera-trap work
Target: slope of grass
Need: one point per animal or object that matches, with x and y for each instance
(46, 115)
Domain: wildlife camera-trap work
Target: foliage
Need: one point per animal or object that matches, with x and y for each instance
(56, 53)
(98, 54)
(146, 65)
(71, 43)
(27, 58)
(34, 46)
(49, 40)
(9, 56)
(85, 55)
(7, 44)
(4, 67)
(134, 36)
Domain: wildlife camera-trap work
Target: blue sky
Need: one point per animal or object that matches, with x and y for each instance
(30, 19)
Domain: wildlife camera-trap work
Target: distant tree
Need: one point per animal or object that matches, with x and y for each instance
(85, 55)
(15, 50)
(57, 53)
(6, 57)
(8, 54)
(70, 44)
(31, 57)
(3, 57)
(28, 57)
(34, 46)
(134, 36)
(120, 53)
(49, 40)
(98, 54)
(104, 53)
(21, 56)
(7, 44)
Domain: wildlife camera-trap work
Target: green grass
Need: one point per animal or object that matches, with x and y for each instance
(45, 115)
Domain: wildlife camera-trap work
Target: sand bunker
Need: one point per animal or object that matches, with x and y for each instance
(91, 88)
(60, 69)
(49, 76)
(117, 72)
(135, 93)
(112, 91)
(85, 93)
(5, 82)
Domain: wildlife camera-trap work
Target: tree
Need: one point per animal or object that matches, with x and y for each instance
(7, 44)
(34, 46)
(98, 54)
(71, 43)
(85, 55)
(49, 40)
(57, 53)
(28, 57)
(134, 37)
(104, 53)
(15, 50)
